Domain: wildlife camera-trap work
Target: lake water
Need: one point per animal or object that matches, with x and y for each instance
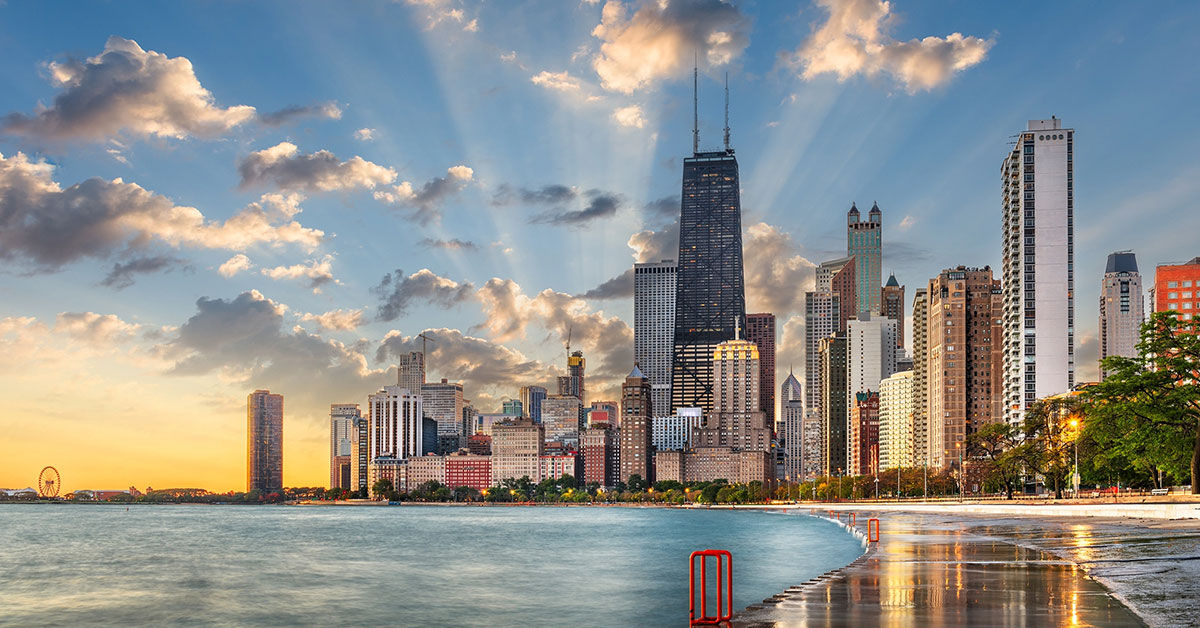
(84, 565)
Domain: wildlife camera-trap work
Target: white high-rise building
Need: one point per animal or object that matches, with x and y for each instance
(654, 328)
(343, 431)
(395, 423)
(802, 434)
(896, 421)
(1122, 308)
(672, 433)
(870, 354)
(443, 402)
(923, 434)
(820, 321)
(1038, 262)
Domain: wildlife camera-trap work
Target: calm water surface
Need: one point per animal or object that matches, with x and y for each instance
(76, 565)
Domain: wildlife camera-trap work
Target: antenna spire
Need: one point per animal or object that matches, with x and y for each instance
(696, 105)
(726, 112)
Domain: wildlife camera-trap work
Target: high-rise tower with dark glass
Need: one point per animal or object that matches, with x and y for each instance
(710, 298)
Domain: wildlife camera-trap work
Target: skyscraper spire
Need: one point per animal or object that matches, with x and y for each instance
(695, 107)
(726, 111)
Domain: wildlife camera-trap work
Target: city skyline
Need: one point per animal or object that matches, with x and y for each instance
(160, 331)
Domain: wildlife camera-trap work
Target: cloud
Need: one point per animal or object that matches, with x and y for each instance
(557, 81)
(365, 134)
(776, 275)
(337, 320)
(450, 245)
(1087, 357)
(854, 40)
(619, 287)
(95, 329)
(235, 265)
(653, 245)
(286, 168)
(397, 292)
(48, 226)
(317, 273)
(121, 275)
(629, 116)
(665, 208)
(659, 40)
(600, 205)
(427, 201)
(553, 194)
(127, 90)
(287, 115)
(906, 223)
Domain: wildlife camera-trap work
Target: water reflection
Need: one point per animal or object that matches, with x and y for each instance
(920, 576)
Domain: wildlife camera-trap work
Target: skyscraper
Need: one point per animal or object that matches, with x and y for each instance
(896, 421)
(512, 407)
(760, 329)
(572, 383)
(654, 289)
(801, 433)
(834, 411)
(1038, 261)
(920, 383)
(824, 314)
(343, 431)
(411, 371)
(964, 369)
(264, 442)
(560, 419)
(870, 354)
(636, 434)
(864, 244)
(531, 402)
(863, 441)
(396, 423)
(893, 306)
(736, 419)
(710, 299)
(1122, 309)
(443, 402)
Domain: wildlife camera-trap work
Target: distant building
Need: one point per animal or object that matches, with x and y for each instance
(803, 440)
(922, 441)
(517, 447)
(654, 327)
(513, 407)
(871, 354)
(396, 429)
(469, 469)
(560, 417)
(705, 464)
(264, 442)
(343, 431)
(675, 431)
(636, 434)
(864, 243)
(835, 414)
(484, 422)
(443, 402)
(479, 444)
(423, 469)
(395, 470)
(556, 466)
(896, 421)
(893, 306)
(1122, 309)
(411, 372)
(760, 329)
(601, 455)
(864, 434)
(531, 402)
(611, 409)
(736, 419)
(966, 312)
(573, 383)
(1175, 288)
(1038, 235)
(827, 310)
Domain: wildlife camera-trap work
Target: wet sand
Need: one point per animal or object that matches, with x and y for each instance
(948, 570)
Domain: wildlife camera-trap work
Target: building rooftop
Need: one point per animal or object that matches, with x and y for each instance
(1122, 262)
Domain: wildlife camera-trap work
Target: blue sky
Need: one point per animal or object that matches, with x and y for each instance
(542, 146)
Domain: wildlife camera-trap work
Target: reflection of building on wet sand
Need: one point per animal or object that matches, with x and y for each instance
(929, 573)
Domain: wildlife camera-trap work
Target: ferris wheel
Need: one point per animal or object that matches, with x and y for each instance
(49, 482)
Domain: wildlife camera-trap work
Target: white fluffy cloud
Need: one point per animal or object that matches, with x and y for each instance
(337, 320)
(285, 167)
(235, 265)
(776, 274)
(47, 226)
(854, 40)
(317, 272)
(427, 200)
(558, 81)
(658, 41)
(125, 89)
(364, 134)
(629, 116)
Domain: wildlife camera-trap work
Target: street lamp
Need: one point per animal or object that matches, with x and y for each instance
(876, 488)
(1075, 444)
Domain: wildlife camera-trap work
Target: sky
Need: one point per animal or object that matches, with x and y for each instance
(202, 199)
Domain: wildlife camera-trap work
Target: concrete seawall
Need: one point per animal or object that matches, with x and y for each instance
(1109, 511)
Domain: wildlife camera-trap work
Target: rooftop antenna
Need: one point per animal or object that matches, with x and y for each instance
(726, 112)
(696, 104)
(569, 331)
(737, 329)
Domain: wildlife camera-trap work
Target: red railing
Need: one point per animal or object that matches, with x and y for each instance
(872, 530)
(724, 593)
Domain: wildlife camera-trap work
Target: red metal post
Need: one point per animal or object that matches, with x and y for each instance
(872, 530)
(724, 610)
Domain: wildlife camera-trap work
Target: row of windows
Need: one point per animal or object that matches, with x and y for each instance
(1186, 306)
(1175, 284)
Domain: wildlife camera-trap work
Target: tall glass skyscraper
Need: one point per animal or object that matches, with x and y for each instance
(710, 298)
(264, 441)
(864, 244)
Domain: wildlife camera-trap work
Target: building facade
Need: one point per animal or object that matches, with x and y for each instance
(835, 415)
(1038, 266)
(893, 306)
(864, 242)
(637, 428)
(601, 455)
(517, 448)
(965, 366)
(1175, 288)
(410, 372)
(920, 385)
(864, 434)
(675, 431)
(710, 298)
(470, 470)
(654, 287)
(343, 431)
(264, 442)
(896, 435)
(870, 354)
(396, 429)
(1122, 308)
(443, 402)
(560, 418)
(760, 329)
(531, 402)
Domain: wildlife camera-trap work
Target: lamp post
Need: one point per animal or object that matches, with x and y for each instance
(1075, 444)
(962, 476)
(897, 482)
(926, 498)
(876, 488)
(839, 495)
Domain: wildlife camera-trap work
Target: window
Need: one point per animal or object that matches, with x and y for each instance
(1187, 284)
(1187, 306)
(1172, 284)
(1172, 306)
(1187, 295)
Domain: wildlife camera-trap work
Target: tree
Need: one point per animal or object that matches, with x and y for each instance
(1049, 438)
(636, 483)
(1148, 407)
(382, 487)
(998, 442)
